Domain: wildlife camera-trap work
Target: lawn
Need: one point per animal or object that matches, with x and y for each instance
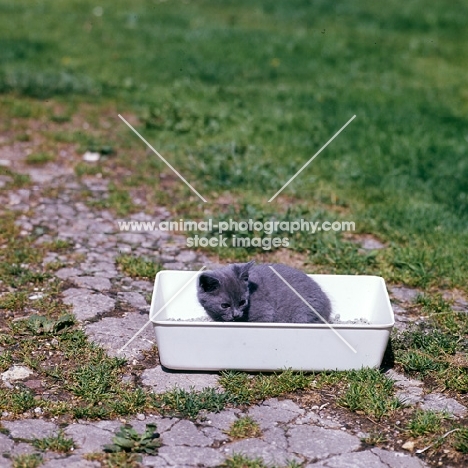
(238, 96)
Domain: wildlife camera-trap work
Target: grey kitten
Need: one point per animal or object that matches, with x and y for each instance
(254, 293)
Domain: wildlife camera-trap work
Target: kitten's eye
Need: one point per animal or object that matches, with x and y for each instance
(241, 303)
(225, 306)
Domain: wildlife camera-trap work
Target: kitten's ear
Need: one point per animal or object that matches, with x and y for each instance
(244, 271)
(208, 283)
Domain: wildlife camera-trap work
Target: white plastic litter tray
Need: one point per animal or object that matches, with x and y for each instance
(199, 345)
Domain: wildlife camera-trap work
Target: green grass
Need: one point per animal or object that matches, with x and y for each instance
(27, 460)
(15, 180)
(244, 427)
(115, 460)
(117, 199)
(138, 267)
(241, 461)
(246, 389)
(425, 422)
(183, 403)
(39, 158)
(461, 440)
(370, 392)
(436, 349)
(58, 443)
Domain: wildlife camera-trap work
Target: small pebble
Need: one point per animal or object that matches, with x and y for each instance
(91, 156)
(141, 417)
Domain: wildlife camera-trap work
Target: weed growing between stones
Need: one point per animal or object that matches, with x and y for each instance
(244, 427)
(115, 460)
(138, 267)
(117, 199)
(436, 349)
(246, 389)
(127, 439)
(370, 392)
(58, 443)
(241, 461)
(461, 440)
(27, 460)
(181, 403)
(426, 422)
(13, 180)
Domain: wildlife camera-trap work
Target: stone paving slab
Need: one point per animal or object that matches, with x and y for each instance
(112, 333)
(397, 459)
(185, 433)
(352, 460)
(29, 429)
(316, 443)
(439, 402)
(74, 461)
(87, 305)
(268, 416)
(258, 448)
(191, 456)
(88, 437)
(163, 380)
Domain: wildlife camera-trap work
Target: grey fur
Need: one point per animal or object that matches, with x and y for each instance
(254, 293)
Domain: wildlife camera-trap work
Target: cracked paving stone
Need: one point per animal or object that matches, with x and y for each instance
(6, 444)
(108, 425)
(410, 396)
(215, 434)
(276, 437)
(410, 390)
(370, 459)
(268, 416)
(257, 448)
(135, 299)
(22, 448)
(314, 418)
(65, 273)
(398, 460)
(154, 461)
(317, 443)
(29, 429)
(174, 266)
(142, 285)
(112, 333)
(163, 380)
(72, 461)
(185, 433)
(403, 294)
(91, 282)
(88, 437)
(186, 256)
(352, 460)
(87, 305)
(162, 424)
(222, 420)
(130, 238)
(287, 405)
(191, 456)
(439, 402)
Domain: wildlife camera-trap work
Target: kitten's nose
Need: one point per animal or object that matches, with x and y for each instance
(237, 313)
